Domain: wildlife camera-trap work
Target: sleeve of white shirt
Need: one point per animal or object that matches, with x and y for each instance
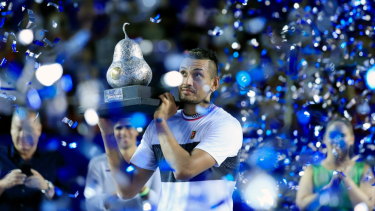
(144, 157)
(222, 139)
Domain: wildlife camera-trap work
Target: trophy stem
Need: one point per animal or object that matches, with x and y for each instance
(123, 29)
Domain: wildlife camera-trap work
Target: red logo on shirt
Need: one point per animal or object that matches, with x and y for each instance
(193, 134)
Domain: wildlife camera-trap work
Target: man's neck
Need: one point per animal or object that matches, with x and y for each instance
(26, 156)
(335, 163)
(191, 109)
(128, 153)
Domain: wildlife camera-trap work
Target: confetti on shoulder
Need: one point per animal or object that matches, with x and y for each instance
(156, 19)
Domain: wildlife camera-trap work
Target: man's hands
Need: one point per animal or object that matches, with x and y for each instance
(16, 177)
(13, 178)
(167, 107)
(105, 126)
(334, 183)
(36, 181)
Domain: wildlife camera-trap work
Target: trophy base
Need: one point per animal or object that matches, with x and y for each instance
(129, 99)
(123, 101)
(128, 106)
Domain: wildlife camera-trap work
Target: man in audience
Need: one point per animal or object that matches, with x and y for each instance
(100, 190)
(27, 175)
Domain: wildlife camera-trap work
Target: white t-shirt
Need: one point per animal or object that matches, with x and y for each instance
(101, 186)
(219, 134)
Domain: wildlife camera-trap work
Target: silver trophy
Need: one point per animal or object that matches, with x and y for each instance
(129, 76)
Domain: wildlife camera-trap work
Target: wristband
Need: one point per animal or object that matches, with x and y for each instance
(49, 187)
(145, 192)
(159, 120)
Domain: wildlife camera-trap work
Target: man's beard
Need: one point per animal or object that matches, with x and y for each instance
(188, 101)
(184, 100)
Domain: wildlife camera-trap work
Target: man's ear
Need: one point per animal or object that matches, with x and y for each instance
(215, 83)
(39, 129)
(135, 132)
(352, 139)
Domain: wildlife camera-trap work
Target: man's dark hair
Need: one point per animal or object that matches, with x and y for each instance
(24, 113)
(199, 53)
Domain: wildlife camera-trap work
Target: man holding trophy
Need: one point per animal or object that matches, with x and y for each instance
(195, 147)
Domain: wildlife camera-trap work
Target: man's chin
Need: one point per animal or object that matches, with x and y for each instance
(188, 101)
(124, 145)
(25, 149)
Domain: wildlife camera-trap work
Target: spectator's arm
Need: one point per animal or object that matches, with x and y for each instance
(13, 178)
(127, 185)
(306, 198)
(365, 192)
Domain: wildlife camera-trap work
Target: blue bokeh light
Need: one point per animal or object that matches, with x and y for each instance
(33, 99)
(67, 83)
(370, 78)
(243, 78)
(303, 117)
(265, 158)
(47, 92)
(138, 119)
(130, 169)
(52, 145)
(73, 145)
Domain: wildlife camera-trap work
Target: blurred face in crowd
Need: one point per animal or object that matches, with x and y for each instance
(199, 80)
(125, 134)
(338, 138)
(25, 134)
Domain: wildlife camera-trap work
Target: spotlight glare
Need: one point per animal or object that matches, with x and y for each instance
(172, 79)
(91, 117)
(370, 78)
(261, 192)
(49, 74)
(25, 36)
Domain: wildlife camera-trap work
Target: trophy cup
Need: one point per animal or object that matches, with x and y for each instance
(129, 75)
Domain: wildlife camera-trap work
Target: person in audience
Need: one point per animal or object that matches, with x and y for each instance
(27, 175)
(100, 190)
(338, 182)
